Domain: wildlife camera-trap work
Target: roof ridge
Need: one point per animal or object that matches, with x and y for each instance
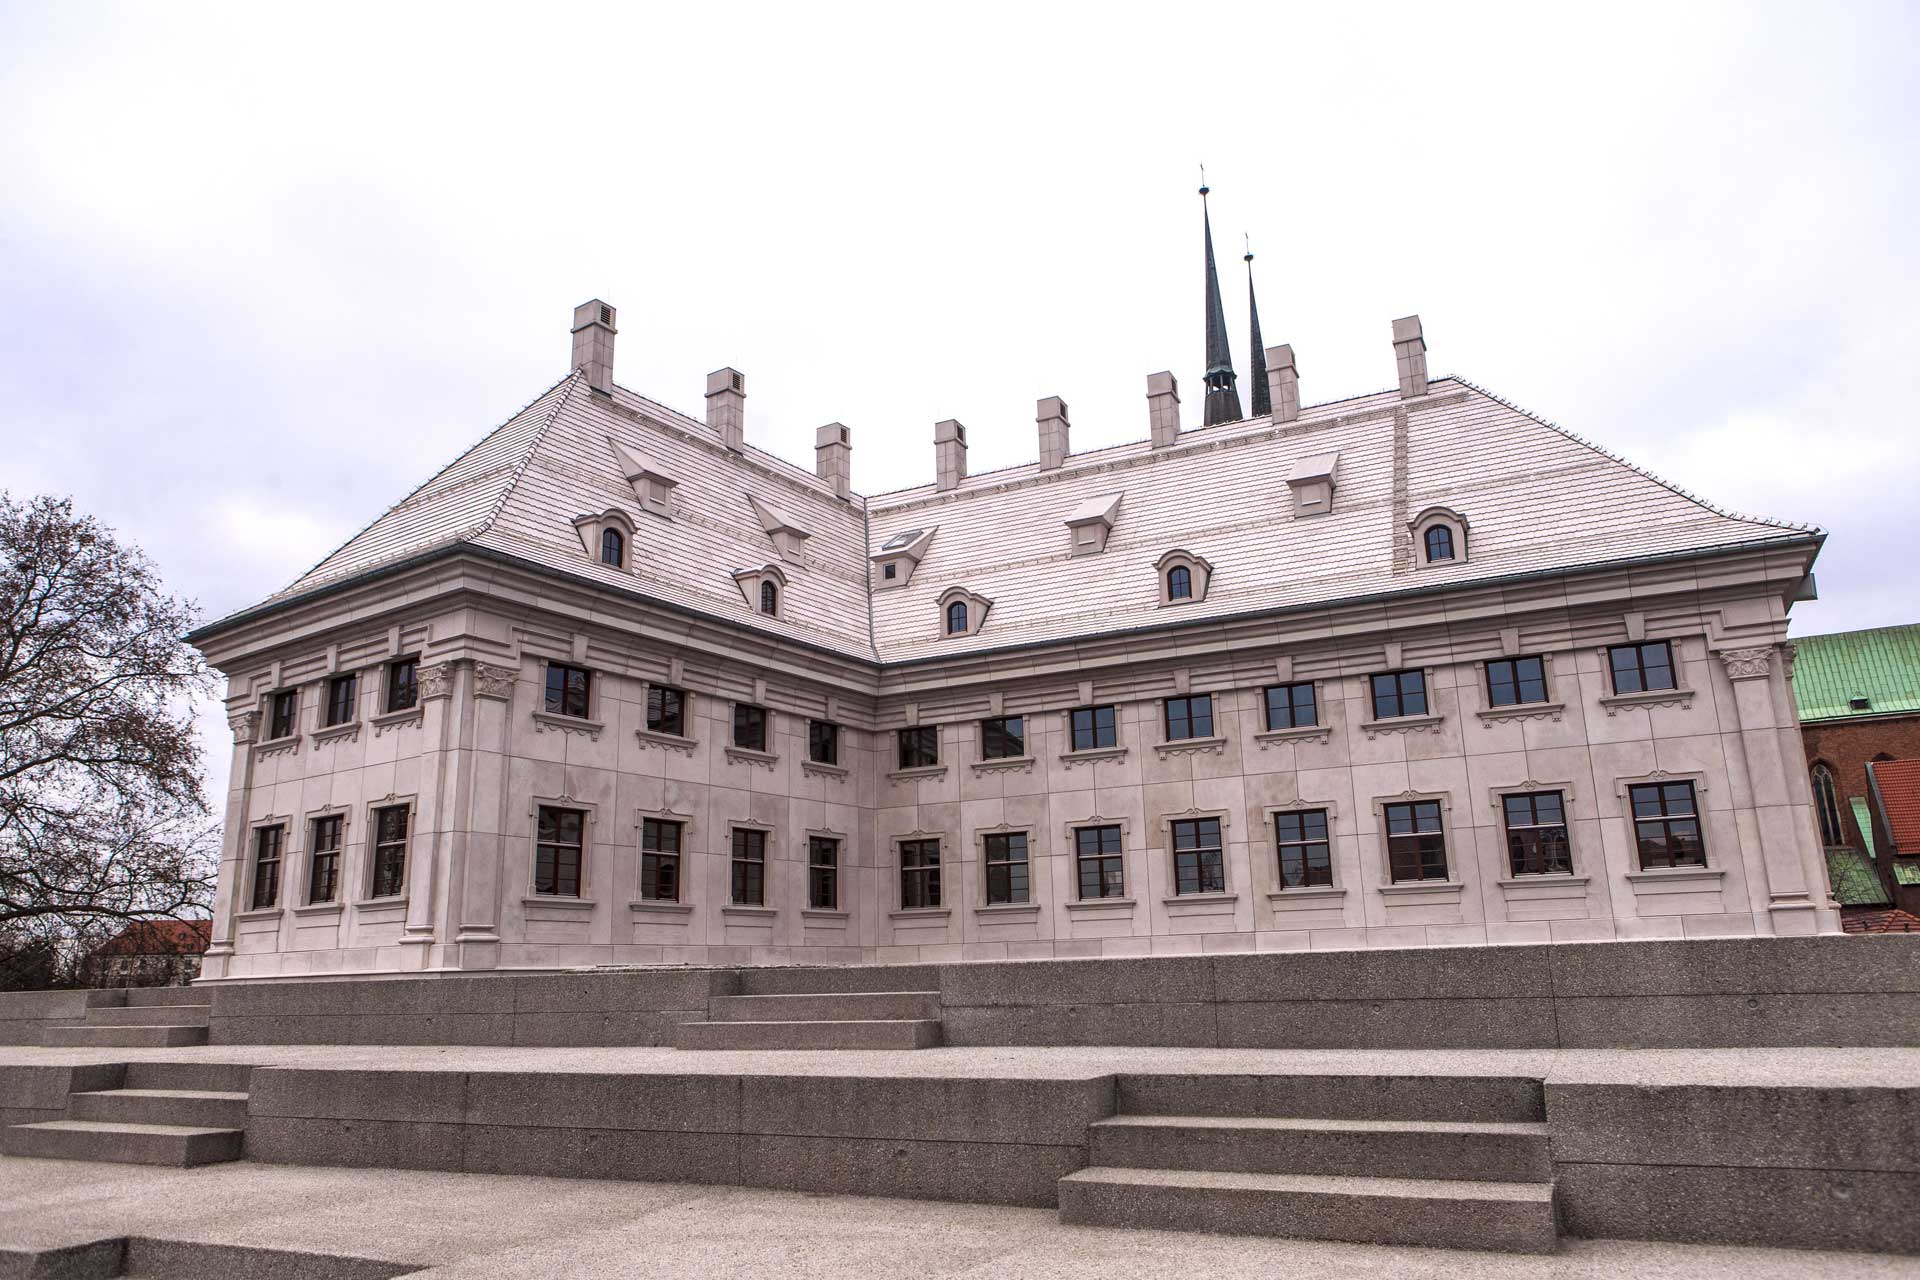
(519, 468)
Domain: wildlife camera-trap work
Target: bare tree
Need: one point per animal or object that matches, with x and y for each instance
(103, 811)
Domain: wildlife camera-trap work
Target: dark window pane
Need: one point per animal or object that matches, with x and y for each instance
(919, 874)
(749, 727)
(341, 695)
(286, 708)
(403, 684)
(389, 851)
(823, 742)
(1198, 866)
(612, 547)
(1399, 693)
(920, 747)
(1639, 668)
(1291, 706)
(1006, 860)
(1190, 717)
(1666, 827)
(1439, 543)
(1179, 583)
(1416, 844)
(769, 598)
(666, 711)
(957, 618)
(557, 851)
(268, 842)
(659, 860)
(1101, 867)
(1003, 738)
(749, 867)
(1305, 854)
(823, 873)
(1094, 728)
(1512, 681)
(567, 690)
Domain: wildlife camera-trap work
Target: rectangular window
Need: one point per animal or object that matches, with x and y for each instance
(1095, 728)
(1199, 864)
(1537, 834)
(1003, 738)
(1291, 706)
(1641, 668)
(389, 851)
(403, 684)
(749, 727)
(666, 711)
(1666, 825)
(341, 691)
(749, 867)
(919, 874)
(823, 873)
(1006, 858)
(1306, 855)
(286, 713)
(1512, 682)
(1096, 850)
(323, 866)
(1190, 717)
(1416, 842)
(268, 843)
(920, 747)
(557, 853)
(823, 742)
(568, 690)
(659, 860)
(1399, 693)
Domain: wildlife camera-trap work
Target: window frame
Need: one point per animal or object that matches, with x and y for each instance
(611, 538)
(1291, 688)
(335, 855)
(769, 603)
(1826, 799)
(256, 831)
(566, 672)
(656, 858)
(924, 873)
(922, 733)
(1638, 649)
(1007, 894)
(1414, 806)
(377, 846)
(825, 873)
(1092, 711)
(1399, 677)
(746, 715)
(1517, 680)
(1188, 702)
(952, 611)
(580, 882)
(1666, 819)
(1018, 734)
(747, 846)
(289, 701)
(1513, 837)
(1179, 588)
(1203, 883)
(1081, 856)
(1306, 841)
(831, 739)
(1439, 530)
(342, 704)
(391, 696)
(660, 694)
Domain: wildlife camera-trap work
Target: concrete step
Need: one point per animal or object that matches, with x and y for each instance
(1334, 1097)
(887, 1034)
(211, 1077)
(195, 1108)
(170, 1144)
(1512, 1217)
(150, 1015)
(168, 995)
(1489, 1151)
(84, 1037)
(827, 1007)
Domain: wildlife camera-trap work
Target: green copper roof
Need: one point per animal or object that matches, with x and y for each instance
(1854, 881)
(1881, 665)
(1864, 819)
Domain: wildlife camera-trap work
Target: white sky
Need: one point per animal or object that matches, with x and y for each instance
(264, 268)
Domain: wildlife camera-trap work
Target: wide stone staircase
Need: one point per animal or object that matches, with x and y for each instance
(817, 1020)
(151, 1018)
(170, 1113)
(1454, 1162)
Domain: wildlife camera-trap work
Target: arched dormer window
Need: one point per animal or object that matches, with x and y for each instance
(1439, 536)
(1439, 543)
(613, 547)
(1826, 805)
(607, 537)
(769, 597)
(1184, 577)
(957, 618)
(962, 612)
(1179, 583)
(763, 590)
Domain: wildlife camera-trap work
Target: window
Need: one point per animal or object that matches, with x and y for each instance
(1102, 871)
(389, 851)
(1190, 717)
(1306, 855)
(749, 867)
(1641, 668)
(286, 714)
(1094, 728)
(1439, 543)
(666, 711)
(1666, 825)
(920, 747)
(561, 839)
(823, 742)
(1003, 738)
(1416, 842)
(890, 570)
(1291, 706)
(1514, 681)
(568, 690)
(823, 873)
(749, 726)
(1199, 865)
(340, 699)
(957, 618)
(769, 598)
(1827, 806)
(613, 548)
(919, 874)
(1179, 583)
(659, 860)
(403, 684)
(323, 867)
(268, 843)
(1399, 693)
(1537, 834)
(1006, 859)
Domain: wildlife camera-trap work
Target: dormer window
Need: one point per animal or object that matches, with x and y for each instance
(1179, 583)
(1439, 543)
(1439, 536)
(763, 590)
(769, 598)
(899, 555)
(780, 527)
(1091, 522)
(653, 487)
(1184, 577)
(607, 537)
(1312, 482)
(957, 618)
(613, 548)
(962, 613)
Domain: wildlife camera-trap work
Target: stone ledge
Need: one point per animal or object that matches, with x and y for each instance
(666, 741)
(1522, 711)
(1268, 738)
(918, 772)
(1403, 724)
(1617, 702)
(551, 722)
(1093, 755)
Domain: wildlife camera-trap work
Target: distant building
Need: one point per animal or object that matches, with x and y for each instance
(151, 953)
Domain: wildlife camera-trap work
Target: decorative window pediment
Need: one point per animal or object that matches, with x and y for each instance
(1184, 577)
(897, 558)
(651, 485)
(1439, 537)
(607, 538)
(781, 528)
(764, 589)
(962, 612)
(1312, 481)
(1091, 522)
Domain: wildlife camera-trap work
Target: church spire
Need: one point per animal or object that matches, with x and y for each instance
(1262, 398)
(1223, 402)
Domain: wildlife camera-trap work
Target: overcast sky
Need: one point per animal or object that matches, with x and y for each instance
(264, 268)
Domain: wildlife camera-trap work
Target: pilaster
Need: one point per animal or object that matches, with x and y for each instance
(1791, 901)
(233, 847)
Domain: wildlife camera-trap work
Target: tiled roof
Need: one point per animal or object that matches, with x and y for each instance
(1867, 920)
(159, 938)
(1897, 785)
(1881, 665)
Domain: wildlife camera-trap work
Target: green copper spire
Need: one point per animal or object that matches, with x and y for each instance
(1223, 402)
(1262, 399)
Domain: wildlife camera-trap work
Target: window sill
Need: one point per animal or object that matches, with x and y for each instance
(1117, 905)
(1199, 900)
(348, 732)
(1092, 755)
(666, 741)
(259, 913)
(1004, 764)
(1308, 893)
(1008, 909)
(1432, 888)
(918, 772)
(754, 757)
(929, 914)
(289, 745)
(748, 911)
(556, 901)
(1522, 711)
(821, 769)
(1676, 879)
(1403, 724)
(552, 722)
(387, 721)
(1299, 733)
(660, 907)
(1189, 747)
(1618, 702)
(319, 909)
(381, 904)
(826, 915)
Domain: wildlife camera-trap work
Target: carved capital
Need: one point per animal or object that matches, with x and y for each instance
(245, 726)
(1747, 664)
(436, 681)
(493, 682)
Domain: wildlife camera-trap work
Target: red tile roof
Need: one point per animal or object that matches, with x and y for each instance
(1878, 920)
(1899, 785)
(160, 938)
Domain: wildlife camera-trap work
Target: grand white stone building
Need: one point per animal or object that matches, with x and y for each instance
(1409, 669)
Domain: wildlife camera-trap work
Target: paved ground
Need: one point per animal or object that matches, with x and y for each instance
(477, 1227)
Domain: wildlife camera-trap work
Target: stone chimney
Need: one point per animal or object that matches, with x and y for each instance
(1410, 354)
(949, 454)
(727, 407)
(1283, 383)
(1052, 413)
(1163, 409)
(593, 334)
(833, 457)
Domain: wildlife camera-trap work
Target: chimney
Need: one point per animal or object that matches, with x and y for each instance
(949, 454)
(1410, 354)
(1283, 383)
(593, 333)
(1163, 408)
(833, 457)
(727, 407)
(1052, 413)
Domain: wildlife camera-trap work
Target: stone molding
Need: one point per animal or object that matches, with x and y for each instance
(245, 726)
(1190, 747)
(348, 732)
(1522, 711)
(493, 682)
(436, 681)
(1069, 759)
(551, 722)
(391, 721)
(917, 773)
(288, 746)
(1615, 703)
(821, 769)
(1271, 738)
(666, 741)
(1003, 764)
(1747, 664)
(1403, 724)
(756, 759)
